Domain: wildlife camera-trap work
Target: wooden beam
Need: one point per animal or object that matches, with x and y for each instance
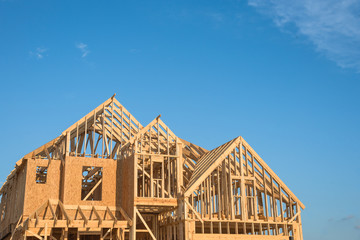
(34, 234)
(92, 190)
(194, 211)
(146, 226)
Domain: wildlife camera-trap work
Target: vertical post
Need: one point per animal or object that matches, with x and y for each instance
(232, 213)
(135, 172)
(85, 132)
(167, 141)
(242, 187)
(151, 177)
(67, 151)
(122, 125)
(265, 194)
(45, 231)
(112, 125)
(158, 135)
(93, 136)
(281, 204)
(180, 218)
(225, 190)
(210, 198)
(162, 178)
(298, 210)
(143, 174)
(201, 200)
(133, 227)
(66, 233)
(219, 194)
(103, 132)
(255, 199)
(179, 172)
(77, 138)
(273, 199)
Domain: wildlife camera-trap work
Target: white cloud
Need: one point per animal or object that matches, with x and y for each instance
(333, 26)
(84, 49)
(39, 53)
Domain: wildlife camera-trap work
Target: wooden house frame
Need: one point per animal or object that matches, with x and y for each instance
(108, 177)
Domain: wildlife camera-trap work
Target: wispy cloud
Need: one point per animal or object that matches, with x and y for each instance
(333, 26)
(84, 49)
(357, 227)
(347, 218)
(39, 52)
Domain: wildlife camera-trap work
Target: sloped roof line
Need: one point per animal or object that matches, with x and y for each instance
(153, 123)
(80, 122)
(115, 107)
(209, 162)
(212, 154)
(88, 117)
(206, 160)
(193, 151)
(271, 172)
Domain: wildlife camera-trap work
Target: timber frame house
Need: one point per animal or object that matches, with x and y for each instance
(107, 177)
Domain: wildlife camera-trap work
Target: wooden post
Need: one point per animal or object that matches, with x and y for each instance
(67, 144)
(45, 231)
(243, 206)
(133, 227)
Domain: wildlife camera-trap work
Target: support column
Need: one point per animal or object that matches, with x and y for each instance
(133, 227)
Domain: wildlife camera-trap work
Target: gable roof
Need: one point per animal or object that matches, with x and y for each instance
(112, 113)
(211, 160)
(126, 129)
(208, 163)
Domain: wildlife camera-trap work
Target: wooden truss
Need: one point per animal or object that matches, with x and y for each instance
(118, 179)
(54, 215)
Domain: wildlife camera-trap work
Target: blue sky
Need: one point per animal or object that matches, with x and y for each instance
(284, 75)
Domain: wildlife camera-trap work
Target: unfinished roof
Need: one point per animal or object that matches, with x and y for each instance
(232, 149)
(109, 128)
(208, 162)
(108, 174)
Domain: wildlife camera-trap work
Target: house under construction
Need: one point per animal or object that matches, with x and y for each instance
(107, 177)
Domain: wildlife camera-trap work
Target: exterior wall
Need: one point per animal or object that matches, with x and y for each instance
(73, 180)
(24, 184)
(18, 198)
(127, 185)
(14, 202)
(37, 194)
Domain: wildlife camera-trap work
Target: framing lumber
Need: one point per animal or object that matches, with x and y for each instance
(107, 176)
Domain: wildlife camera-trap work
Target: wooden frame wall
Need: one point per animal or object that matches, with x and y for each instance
(155, 186)
(235, 187)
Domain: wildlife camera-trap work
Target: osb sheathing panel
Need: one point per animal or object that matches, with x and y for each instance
(73, 180)
(15, 199)
(36, 194)
(17, 211)
(127, 184)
